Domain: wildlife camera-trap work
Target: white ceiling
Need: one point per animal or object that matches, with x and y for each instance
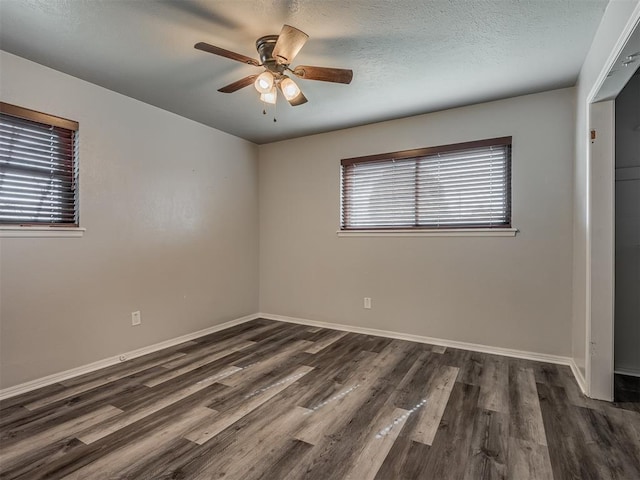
(408, 57)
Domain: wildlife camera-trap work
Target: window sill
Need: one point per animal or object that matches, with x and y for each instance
(453, 232)
(7, 231)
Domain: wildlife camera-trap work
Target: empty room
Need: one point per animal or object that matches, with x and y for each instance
(308, 239)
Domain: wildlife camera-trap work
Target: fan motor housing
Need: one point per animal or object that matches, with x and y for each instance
(265, 46)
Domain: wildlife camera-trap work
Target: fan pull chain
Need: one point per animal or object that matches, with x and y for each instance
(275, 111)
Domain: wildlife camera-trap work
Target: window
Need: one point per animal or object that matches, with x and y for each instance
(466, 185)
(38, 168)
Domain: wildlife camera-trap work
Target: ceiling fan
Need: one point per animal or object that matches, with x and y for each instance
(276, 54)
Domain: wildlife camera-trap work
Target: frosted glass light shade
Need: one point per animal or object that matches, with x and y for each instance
(270, 96)
(289, 89)
(264, 82)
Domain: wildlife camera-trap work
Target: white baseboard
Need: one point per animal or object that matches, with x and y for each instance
(74, 372)
(577, 373)
(632, 372)
(107, 362)
(507, 352)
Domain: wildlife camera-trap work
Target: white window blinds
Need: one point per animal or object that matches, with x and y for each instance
(38, 168)
(454, 186)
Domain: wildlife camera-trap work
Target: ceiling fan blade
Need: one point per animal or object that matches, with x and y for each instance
(243, 82)
(205, 47)
(289, 43)
(324, 74)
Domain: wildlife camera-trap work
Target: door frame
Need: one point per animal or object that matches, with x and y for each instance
(600, 335)
(599, 348)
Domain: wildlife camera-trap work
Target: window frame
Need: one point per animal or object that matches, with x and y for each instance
(424, 230)
(44, 229)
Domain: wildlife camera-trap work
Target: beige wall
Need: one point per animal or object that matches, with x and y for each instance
(170, 208)
(172, 217)
(505, 292)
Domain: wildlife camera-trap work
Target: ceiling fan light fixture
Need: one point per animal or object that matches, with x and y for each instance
(264, 82)
(289, 88)
(276, 54)
(269, 97)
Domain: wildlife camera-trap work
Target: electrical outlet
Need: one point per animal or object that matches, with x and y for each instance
(135, 318)
(367, 302)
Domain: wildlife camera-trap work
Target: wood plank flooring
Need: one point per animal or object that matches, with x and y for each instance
(626, 391)
(270, 400)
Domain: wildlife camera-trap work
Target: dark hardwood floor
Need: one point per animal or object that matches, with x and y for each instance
(269, 400)
(626, 392)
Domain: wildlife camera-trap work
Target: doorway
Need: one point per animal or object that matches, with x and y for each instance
(627, 245)
(600, 367)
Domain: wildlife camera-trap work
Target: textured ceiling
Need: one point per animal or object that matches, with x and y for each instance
(408, 57)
